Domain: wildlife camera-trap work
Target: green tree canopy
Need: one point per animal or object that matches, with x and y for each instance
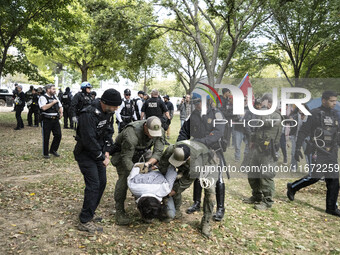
(33, 23)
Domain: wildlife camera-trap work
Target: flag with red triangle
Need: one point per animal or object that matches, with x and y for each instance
(244, 85)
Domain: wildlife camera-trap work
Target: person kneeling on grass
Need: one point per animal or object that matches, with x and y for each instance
(151, 189)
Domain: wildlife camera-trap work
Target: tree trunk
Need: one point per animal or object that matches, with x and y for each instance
(225, 64)
(3, 60)
(144, 86)
(84, 74)
(192, 84)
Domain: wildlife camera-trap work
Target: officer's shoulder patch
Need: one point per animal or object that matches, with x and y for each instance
(218, 115)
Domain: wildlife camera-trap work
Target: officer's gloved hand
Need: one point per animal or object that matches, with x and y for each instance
(143, 168)
(75, 120)
(298, 155)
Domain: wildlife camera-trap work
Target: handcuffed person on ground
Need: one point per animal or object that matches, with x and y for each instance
(151, 189)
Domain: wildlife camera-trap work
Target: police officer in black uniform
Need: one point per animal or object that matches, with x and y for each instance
(29, 98)
(323, 128)
(19, 102)
(66, 102)
(81, 100)
(35, 107)
(94, 140)
(155, 106)
(126, 112)
(51, 111)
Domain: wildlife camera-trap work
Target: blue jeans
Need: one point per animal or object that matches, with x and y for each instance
(293, 161)
(170, 208)
(238, 138)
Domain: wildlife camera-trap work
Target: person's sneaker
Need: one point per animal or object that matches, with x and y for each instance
(196, 207)
(54, 153)
(285, 161)
(46, 156)
(290, 191)
(261, 206)
(335, 212)
(251, 200)
(90, 227)
(122, 218)
(97, 218)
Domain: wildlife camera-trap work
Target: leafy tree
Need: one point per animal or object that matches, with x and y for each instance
(301, 32)
(107, 41)
(119, 36)
(231, 21)
(26, 22)
(180, 56)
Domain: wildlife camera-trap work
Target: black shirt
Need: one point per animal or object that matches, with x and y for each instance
(154, 107)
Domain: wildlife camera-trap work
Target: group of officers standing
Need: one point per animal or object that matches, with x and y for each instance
(156, 177)
(150, 172)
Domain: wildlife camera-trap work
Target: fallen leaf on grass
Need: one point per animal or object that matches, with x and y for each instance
(300, 247)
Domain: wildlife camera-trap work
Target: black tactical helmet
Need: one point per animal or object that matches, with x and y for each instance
(127, 92)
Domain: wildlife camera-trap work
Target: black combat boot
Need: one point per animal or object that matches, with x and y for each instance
(290, 191)
(220, 194)
(196, 207)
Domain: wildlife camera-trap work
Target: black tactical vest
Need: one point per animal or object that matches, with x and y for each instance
(85, 100)
(66, 100)
(127, 111)
(54, 108)
(328, 131)
(28, 95)
(153, 108)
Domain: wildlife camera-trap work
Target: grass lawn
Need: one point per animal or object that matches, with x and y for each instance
(40, 201)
